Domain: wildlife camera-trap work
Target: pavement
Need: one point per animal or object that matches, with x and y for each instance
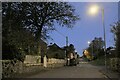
(110, 74)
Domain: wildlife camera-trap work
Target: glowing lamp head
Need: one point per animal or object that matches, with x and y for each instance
(88, 42)
(93, 9)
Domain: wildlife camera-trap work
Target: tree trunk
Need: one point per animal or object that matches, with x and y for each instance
(39, 49)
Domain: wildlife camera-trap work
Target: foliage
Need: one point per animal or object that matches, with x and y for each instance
(116, 31)
(96, 47)
(24, 23)
(100, 61)
(41, 17)
(87, 55)
(70, 49)
(11, 52)
(15, 38)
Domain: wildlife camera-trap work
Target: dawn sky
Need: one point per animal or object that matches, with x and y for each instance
(88, 26)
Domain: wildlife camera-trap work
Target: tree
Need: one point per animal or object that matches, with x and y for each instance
(36, 18)
(70, 49)
(96, 47)
(17, 43)
(116, 31)
(40, 17)
(15, 38)
(87, 54)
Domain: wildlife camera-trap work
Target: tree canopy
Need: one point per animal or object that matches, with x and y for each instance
(116, 31)
(69, 49)
(39, 17)
(96, 47)
(25, 23)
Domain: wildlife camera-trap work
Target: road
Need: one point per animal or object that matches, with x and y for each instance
(82, 70)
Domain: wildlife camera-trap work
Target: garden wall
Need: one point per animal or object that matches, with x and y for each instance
(11, 67)
(115, 64)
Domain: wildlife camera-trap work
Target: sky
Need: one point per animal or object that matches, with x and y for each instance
(59, 0)
(91, 0)
(88, 27)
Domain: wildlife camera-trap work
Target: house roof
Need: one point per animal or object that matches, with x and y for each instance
(55, 45)
(42, 42)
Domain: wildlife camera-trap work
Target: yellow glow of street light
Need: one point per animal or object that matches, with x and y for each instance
(93, 9)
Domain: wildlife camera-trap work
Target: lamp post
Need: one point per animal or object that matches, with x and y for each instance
(93, 10)
(104, 36)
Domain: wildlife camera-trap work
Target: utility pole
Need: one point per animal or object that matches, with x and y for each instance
(66, 46)
(66, 37)
(66, 40)
(104, 36)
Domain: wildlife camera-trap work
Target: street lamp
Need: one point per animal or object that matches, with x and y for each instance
(93, 10)
(88, 42)
(104, 36)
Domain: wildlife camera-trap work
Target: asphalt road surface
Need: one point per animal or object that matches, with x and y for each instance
(82, 70)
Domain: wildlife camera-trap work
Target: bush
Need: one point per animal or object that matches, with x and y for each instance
(99, 61)
(10, 52)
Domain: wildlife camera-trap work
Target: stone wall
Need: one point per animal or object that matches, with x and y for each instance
(36, 60)
(52, 62)
(32, 59)
(10, 67)
(115, 64)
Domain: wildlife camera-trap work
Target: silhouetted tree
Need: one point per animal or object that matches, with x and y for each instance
(96, 47)
(37, 18)
(70, 49)
(116, 31)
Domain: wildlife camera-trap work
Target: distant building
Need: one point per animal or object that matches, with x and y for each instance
(54, 51)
